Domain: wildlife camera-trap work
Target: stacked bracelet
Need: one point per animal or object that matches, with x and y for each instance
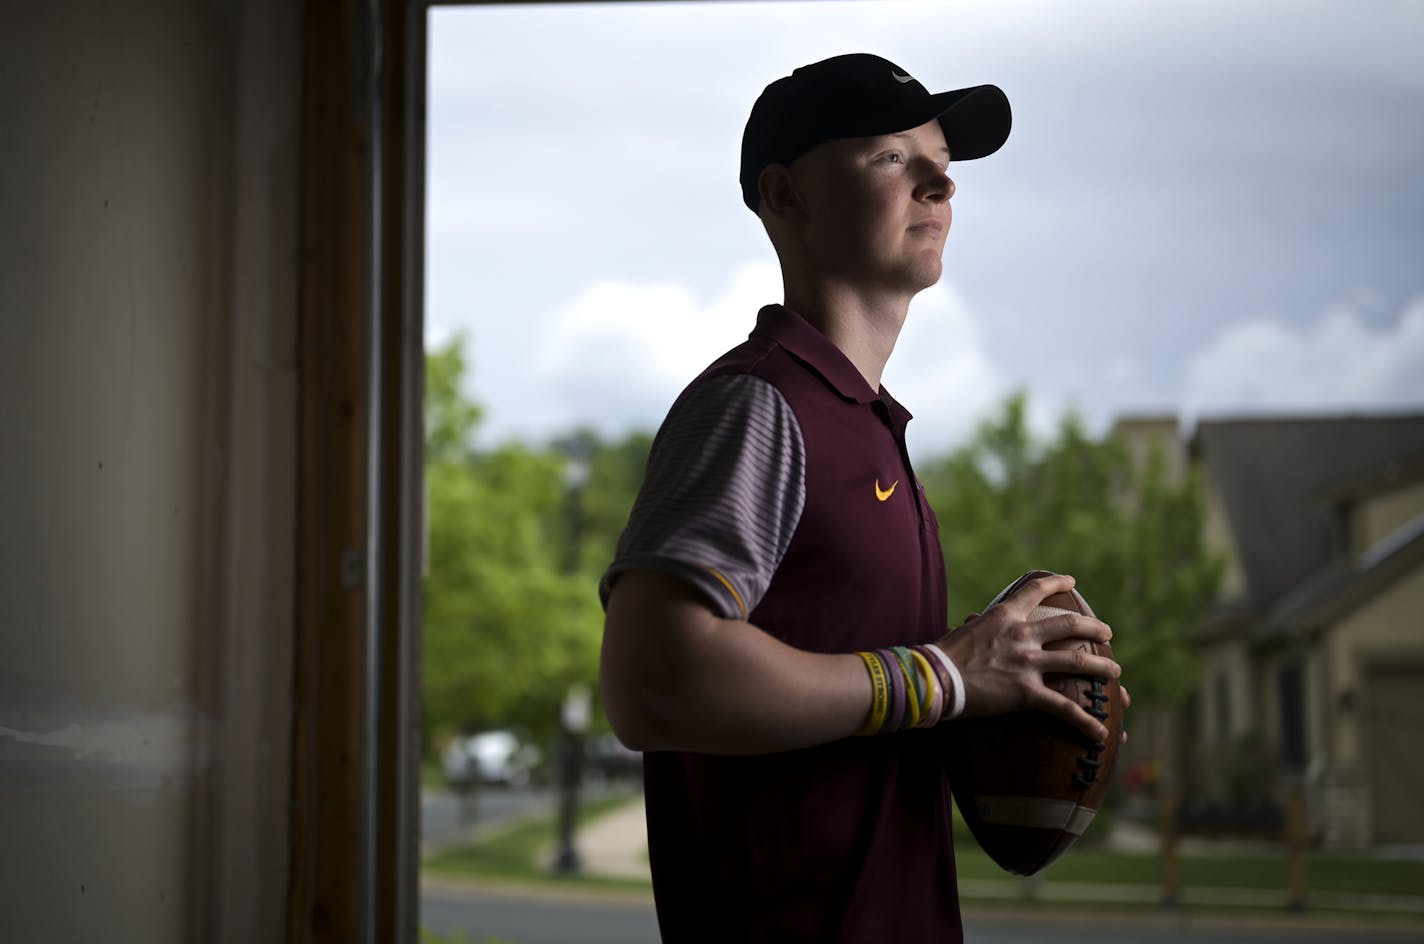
(895, 719)
(880, 690)
(912, 687)
(933, 705)
(956, 681)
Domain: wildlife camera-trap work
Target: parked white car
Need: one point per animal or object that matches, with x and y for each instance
(490, 757)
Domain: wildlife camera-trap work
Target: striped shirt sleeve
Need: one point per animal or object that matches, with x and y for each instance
(723, 493)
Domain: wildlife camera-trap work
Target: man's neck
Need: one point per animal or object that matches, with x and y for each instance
(864, 327)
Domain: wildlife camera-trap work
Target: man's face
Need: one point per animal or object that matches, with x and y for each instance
(877, 209)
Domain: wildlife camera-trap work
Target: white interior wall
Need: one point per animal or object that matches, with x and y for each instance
(147, 467)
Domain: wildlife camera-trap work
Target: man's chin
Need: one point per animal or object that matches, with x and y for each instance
(925, 278)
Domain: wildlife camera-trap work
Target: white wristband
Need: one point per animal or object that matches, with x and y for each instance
(957, 708)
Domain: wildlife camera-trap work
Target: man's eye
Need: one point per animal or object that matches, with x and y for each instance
(894, 158)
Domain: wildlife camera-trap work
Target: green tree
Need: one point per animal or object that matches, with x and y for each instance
(615, 474)
(450, 419)
(507, 627)
(1132, 537)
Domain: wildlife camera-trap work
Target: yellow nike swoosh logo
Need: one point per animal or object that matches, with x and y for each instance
(883, 494)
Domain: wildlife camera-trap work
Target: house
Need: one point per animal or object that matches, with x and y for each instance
(1312, 656)
(210, 312)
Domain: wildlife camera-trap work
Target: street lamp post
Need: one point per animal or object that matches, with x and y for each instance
(575, 721)
(577, 470)
(578, 700)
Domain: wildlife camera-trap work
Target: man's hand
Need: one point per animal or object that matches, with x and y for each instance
(1002, 658)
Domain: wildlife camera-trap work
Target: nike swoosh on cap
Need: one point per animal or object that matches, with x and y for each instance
(883, 494)
(902, 79)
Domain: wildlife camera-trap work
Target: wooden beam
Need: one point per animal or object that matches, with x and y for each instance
(335, 277)
(354, 836)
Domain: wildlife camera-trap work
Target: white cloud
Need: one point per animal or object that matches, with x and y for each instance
(619, 352)
(616, 355)
(583, 168)
(940, 371)
(1340, 363)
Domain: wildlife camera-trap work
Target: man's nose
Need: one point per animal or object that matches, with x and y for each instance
(936, 185)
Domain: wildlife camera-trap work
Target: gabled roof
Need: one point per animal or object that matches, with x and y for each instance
(1344, 584)
(1273, 475)
(1386, 478)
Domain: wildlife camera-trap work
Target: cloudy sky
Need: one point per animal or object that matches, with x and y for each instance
(1205, 208)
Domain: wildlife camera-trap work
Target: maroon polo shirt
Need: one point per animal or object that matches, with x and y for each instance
(781, 488)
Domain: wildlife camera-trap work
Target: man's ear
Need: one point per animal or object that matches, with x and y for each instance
(779, 197)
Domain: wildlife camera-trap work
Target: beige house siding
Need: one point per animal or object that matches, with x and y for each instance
(1142, 435)
(1219, 539)
(1377, 518)
(1359, 787)
(1390, 709)
(1227, 714)
(1233, 664)
(1227, 707)
(1286, 678)
(1387, 629)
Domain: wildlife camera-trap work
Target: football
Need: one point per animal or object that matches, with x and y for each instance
(1027, 784)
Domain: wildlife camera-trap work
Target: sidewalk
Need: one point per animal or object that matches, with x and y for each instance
(616, 846)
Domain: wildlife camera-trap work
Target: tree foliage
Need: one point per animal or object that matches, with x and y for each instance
(1130, 535)
(511, 613)
(516, 547)
(450, 419)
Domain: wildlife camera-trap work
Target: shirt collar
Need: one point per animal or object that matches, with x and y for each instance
(808, 345)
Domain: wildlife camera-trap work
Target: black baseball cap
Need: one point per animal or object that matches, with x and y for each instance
(857, 96)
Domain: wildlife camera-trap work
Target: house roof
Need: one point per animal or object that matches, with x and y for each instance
(1386, 478)
(1346, 582)
(1275, 478)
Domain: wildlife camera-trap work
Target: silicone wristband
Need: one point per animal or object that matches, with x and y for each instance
(956, 707)
(929, 713)
(912, 686)
(895, 718)
(879, 694)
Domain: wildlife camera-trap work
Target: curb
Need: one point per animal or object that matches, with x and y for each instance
(552, 890)
(1002, 911)
(1199, 896)
(1004, 899)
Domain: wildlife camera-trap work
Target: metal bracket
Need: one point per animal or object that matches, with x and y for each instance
(353, 568)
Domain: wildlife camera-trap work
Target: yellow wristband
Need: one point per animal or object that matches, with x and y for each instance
(913, 685)
(880, 701)
(931, 686)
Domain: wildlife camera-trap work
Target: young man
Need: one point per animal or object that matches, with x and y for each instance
(780, 588)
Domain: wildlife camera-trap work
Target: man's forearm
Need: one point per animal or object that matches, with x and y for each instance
(677, 677)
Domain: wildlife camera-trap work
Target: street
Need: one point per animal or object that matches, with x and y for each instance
(564, 918)
(581, 916)
(510, 919)
(445, 814)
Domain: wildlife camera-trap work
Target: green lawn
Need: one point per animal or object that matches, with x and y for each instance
(512, 854)
(1325, 872)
